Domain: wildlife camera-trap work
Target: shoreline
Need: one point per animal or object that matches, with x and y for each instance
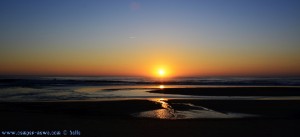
(277, 118)
(232, 91)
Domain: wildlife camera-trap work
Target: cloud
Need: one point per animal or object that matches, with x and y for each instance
(135, 6)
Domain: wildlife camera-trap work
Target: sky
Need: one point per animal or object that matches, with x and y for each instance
(138, 37)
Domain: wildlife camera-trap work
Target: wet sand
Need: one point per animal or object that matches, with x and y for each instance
(273, 118)
(113, 118)
(232, 91)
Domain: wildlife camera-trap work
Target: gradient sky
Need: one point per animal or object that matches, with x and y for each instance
(136, 37)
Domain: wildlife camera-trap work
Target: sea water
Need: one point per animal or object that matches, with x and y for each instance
(114, 88)
(28, 89)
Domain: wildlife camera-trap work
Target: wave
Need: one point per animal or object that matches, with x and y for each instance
(100, 81)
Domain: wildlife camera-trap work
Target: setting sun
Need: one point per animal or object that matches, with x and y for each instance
(161, 72)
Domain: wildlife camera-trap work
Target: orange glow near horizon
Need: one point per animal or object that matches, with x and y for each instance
(149, 69)
(163, 71)
(164, 65)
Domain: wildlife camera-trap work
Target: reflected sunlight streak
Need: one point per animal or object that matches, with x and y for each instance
(161, 86)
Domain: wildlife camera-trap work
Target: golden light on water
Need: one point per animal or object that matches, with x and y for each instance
(166, 112)
(162, 101)
(161, 86)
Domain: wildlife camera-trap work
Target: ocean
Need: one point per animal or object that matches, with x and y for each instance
(176, 97)
(20, 89)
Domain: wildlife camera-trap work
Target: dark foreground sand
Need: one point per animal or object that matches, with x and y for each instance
(113, 118)
(277, 118)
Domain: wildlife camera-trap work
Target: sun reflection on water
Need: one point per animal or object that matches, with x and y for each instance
(191, 111)
(166, 112)
(161, 114)
(161, 86)
(163, 102)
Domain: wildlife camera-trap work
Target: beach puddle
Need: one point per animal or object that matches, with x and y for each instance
(187, 111)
